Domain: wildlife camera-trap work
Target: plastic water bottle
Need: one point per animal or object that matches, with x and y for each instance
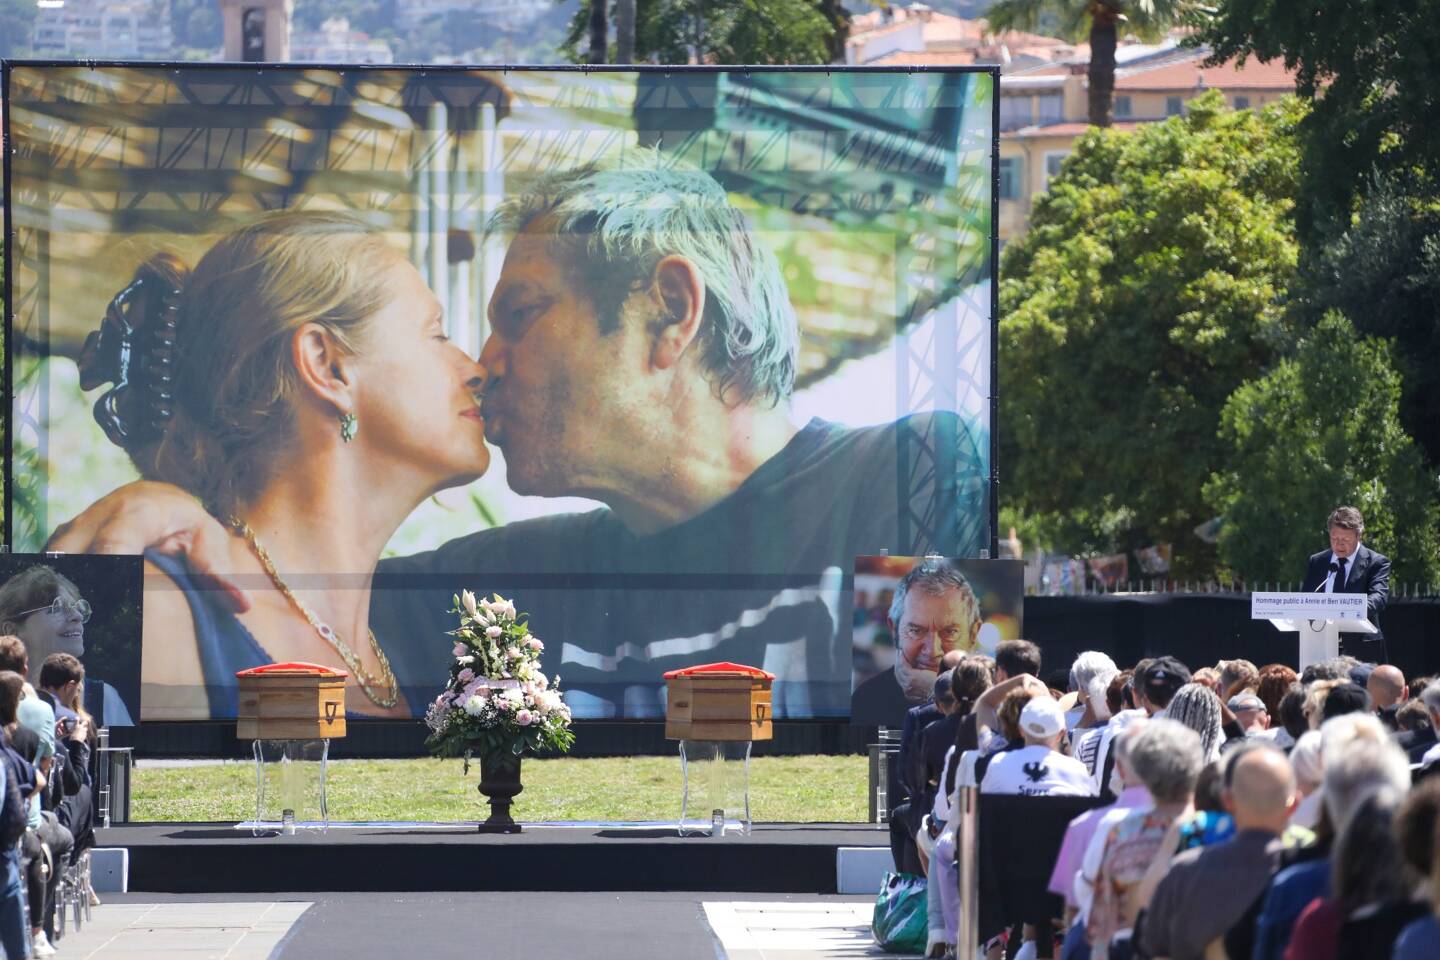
(287, 822)
(717, 824)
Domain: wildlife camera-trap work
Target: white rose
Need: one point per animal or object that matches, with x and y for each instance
(493, 632)
(468, 599)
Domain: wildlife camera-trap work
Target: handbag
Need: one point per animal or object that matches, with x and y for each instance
(901, 923)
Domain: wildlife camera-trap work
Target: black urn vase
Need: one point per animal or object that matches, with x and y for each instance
(500, 782)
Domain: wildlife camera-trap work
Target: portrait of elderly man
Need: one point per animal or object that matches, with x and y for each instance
(934, 612)
(642, 352)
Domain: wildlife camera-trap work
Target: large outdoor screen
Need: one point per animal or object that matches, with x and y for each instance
(655, 354)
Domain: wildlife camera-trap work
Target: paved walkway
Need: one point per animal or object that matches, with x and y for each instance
(794, 930)
(634, 926)
(183, 931)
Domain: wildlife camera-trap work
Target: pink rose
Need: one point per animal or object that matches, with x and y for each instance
(513, 653)
(493, 632)
(534, 644)
(466, 675)
(523, 717)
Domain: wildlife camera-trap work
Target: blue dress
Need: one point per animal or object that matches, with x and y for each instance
(226, 646)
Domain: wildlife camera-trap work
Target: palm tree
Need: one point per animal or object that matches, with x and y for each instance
(1103, 21)
(624, 31)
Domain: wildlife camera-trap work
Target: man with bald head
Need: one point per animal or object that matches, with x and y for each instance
(1214, 891)
(1388, 692)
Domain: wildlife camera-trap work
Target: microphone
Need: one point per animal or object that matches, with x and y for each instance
(1334, 568)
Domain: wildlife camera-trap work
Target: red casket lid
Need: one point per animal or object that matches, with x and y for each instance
(294, 668)
(722, 667)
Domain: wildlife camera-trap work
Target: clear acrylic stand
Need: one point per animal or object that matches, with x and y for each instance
(298, 769)
(715, 782)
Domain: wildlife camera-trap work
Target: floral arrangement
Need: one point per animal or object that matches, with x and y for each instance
(497, 700)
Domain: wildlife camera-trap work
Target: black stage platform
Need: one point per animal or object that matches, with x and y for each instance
(219, 858)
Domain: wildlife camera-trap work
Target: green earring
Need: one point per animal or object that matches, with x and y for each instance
(349, 423)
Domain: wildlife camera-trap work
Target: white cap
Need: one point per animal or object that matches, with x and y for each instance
(1042, 718)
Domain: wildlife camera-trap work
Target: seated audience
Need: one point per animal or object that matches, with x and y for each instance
(1336, 668)
(1293, 719)
(1206, 893)
(27, 781)
(1158, 682)
(1412, 717)
(1275, 680)
(62, 682)
(1251, 714)
(1090, 677)
(1345, 698)
(1086, 745)
(1166, 757)
(1386, 687)
(1356, 758)
(1415, 829)
(1198, 708)
(1430, 696)
(1207, 677)
(1038, 769)
(1154, 684)
(1216, 844)
(1369, 904)
(1309, 774)
(1315, 695)
(1071, 878)
(909, 806)
(1237, 676)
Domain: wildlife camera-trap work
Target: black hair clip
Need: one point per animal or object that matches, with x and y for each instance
(135, 350)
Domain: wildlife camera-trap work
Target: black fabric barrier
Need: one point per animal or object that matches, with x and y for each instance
(1198, 628)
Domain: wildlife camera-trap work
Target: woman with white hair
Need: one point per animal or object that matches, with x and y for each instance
(1166, 757)
(1309, 772)
(1090, 674)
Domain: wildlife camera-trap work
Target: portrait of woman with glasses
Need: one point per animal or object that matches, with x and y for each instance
(45, 610)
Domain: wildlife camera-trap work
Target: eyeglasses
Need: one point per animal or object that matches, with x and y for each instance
(63, 608)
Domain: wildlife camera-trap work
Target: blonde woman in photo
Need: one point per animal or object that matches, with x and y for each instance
(300, 384)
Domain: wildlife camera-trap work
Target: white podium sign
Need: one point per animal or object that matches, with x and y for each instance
(1318, 618)
(1307, 606)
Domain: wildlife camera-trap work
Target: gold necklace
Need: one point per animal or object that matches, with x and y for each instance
(362, 676)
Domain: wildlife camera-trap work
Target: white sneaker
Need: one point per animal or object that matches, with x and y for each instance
(40, 946)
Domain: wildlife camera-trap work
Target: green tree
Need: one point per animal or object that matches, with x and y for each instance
(1296, 448)
(1369, 68)
(722, 31)
(1384, 274)
(1101, 22)
(1147, 289)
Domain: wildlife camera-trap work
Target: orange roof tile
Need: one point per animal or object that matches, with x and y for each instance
(1193, 75)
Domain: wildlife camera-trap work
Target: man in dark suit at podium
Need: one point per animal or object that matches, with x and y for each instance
(1351, 567)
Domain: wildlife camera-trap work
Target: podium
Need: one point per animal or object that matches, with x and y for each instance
(1317, 618)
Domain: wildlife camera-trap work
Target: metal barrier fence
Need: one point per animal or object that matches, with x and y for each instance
(112, 780)
(967, 849)
(882, 754)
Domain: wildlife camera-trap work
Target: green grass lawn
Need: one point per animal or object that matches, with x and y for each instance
(782, 789)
